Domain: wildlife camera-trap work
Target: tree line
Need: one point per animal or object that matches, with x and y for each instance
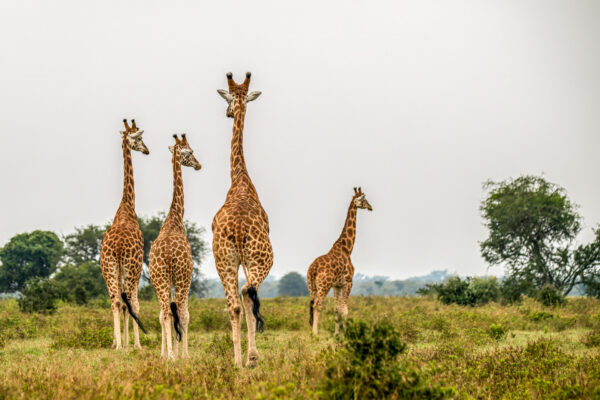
(533, 229)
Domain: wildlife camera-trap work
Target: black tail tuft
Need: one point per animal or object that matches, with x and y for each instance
(176, 321)
(135, 317)
(310, 316)
(253, 294)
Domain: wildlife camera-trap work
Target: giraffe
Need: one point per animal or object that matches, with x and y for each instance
(335, 268)
(241, 231)
(122, 249)
(171, 261)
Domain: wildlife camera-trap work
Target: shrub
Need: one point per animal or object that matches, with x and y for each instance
(497, 332)
(465, 292)
(512, 289)
(484, 290)
(40, 295)
(87, 334)
(147, 293)
(549, 296)
(367, 367)
(81, 283)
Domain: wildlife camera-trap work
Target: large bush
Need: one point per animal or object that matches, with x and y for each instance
(466, 292)
(40, 295)
(81, 283)
(368, 367)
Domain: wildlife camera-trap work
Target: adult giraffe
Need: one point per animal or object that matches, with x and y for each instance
(241, 231)
(122, 251)
(335, 268)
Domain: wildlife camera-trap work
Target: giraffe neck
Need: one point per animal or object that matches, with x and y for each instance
(346, 239)
(176, 211)
(127, 207)
(238, 163)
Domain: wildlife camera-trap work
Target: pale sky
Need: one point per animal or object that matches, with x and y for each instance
(419, 102)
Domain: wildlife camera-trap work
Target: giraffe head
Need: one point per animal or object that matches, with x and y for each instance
(134, 137)
(185, 152)
(238, 95)
(360, 199)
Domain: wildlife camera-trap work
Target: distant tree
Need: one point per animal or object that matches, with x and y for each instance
(293, 284)
(83, 245)
(28, 255)
(81, 283)
(150, 227)
(532, 229)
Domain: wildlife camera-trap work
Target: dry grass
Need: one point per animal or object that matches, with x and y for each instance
(544, 353)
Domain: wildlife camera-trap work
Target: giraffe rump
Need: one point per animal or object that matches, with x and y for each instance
(176, 321)
(260, 322)
(135, 317)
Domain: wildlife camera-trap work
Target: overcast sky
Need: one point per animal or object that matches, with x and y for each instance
(419, 102)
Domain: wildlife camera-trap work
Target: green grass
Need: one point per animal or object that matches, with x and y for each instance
(489, 352)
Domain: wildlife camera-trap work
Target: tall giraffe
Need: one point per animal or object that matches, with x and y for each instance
(335, 268)
(171, 261)
(122, 250)
(241, 231)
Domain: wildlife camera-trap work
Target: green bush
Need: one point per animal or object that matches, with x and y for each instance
(497, 332)
(465, 292)
(147, 293)
(549, 296)
(40, 295)
(81, 283)
(368, 367)
(87, 334)
(484, 290)
(512, 289)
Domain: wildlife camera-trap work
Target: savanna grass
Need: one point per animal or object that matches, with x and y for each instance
(509, 352)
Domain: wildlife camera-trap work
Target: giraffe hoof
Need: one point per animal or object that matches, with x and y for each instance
(252, 360)
(137, 346)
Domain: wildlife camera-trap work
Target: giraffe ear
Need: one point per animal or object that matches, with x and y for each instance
(252, 96)
(171, 148)
(226, 95)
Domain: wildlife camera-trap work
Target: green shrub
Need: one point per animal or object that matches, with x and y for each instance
(81, 283)
(367, 367)
(497, 332)
(592, 339)
(541, 315)
(484, 290)
(40, 295)
(512, 289)
(147, 293)
(87, 334)
(465, 292)
(549, 296)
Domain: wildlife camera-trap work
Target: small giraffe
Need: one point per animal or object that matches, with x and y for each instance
(241, 231)
(171, 261)
(335, 268)
(122, 250)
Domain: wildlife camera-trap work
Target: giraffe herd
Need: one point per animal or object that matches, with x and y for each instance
(240, 236)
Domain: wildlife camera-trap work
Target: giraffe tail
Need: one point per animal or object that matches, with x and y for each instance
(260, 322)
(135, 317)
(310, 312)
(176, 321)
